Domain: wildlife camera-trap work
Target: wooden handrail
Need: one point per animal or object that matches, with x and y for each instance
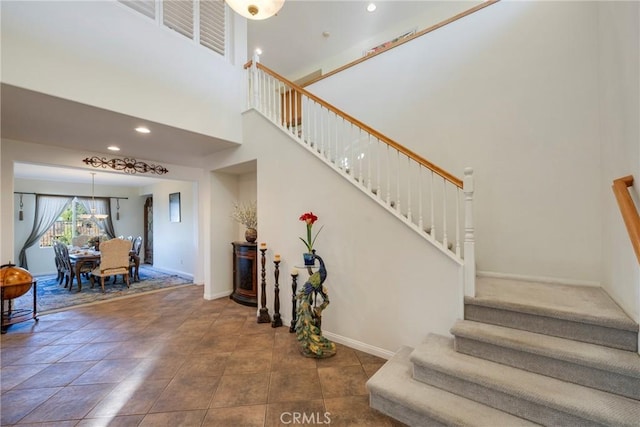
(628, 210)
(402, 149)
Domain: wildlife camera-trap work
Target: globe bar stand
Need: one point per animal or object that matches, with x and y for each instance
(10, 288)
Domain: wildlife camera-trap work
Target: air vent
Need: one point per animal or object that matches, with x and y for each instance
(212, 25)
(202, 21)
(178, 15)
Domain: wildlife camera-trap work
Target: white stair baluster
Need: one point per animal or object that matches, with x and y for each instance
(409, 214)
(469, 238)
(368, 161)
(457, 221)
(420, 223)
(262, 92)
(336, 151)
(272, 100)
(388, 175)
(255, 85)
(327, 154)
(322, 118)
(445, 241)
(314, 140)
(279, 105)
(295, 113)
(398, 182)
(431, 201)
(265, 108)
(360, 153)
(378, 177)
(349, 166)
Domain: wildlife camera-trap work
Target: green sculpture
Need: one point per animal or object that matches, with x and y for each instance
(309, 318)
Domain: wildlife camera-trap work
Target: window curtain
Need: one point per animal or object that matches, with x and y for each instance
(102, 205)
(47, 211)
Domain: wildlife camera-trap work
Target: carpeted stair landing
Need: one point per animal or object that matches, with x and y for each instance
(525, 354)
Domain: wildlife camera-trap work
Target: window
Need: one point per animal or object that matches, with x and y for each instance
(63, 228)
(202, 21)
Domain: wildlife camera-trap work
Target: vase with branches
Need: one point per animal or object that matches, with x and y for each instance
(247, 215)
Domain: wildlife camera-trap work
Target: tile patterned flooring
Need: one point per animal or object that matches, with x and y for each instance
(172, 358)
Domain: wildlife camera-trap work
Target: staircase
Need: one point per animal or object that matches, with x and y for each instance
(525, 354)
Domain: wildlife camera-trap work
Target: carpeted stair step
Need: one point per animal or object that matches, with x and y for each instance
(579, 313)
(535, 397)
(394, 392)
(604, 368)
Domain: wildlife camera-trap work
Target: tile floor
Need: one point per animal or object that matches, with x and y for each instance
(172, 358)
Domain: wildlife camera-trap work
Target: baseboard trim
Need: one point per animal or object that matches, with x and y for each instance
(539, 279)
(217, 295)
(358, 345)
(182, 274)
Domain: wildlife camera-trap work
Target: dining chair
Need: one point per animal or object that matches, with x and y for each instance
(67, 266)
(114, 260)
(80, 241)
(57, 251)
(134, 259)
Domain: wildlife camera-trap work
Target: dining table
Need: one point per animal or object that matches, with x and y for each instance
(82, 257)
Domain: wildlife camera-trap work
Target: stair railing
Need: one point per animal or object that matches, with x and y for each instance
(424, 196)
(628, 210)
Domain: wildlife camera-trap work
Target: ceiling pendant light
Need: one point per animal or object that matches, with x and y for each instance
(93, 215)
(256, 9)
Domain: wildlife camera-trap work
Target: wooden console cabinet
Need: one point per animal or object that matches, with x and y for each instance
(245, 273)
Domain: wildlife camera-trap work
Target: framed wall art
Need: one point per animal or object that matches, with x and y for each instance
(174, 207)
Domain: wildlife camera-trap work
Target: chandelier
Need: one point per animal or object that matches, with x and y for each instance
(93, 215)
(256, 9)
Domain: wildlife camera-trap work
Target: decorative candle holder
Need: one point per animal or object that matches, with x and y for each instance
(294, 288)
(277, 321)
(263, 316)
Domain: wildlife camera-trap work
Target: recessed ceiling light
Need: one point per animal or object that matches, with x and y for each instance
(371, 7)
(258, 51)
(142, 129)
(113, 148)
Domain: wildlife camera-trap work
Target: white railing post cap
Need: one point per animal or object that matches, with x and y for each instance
(467, 182)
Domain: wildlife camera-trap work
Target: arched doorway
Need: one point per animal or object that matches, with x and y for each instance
(148, 230)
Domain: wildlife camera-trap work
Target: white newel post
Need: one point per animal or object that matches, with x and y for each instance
(469, 239)
(255, 90)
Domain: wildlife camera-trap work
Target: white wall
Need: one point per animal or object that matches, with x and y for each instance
(512, 92)
(41, 260)
(174, 243)
(431, 13)
(247, 193)
(98, 52)
(382, 277)
(227, 187)
(619, 51)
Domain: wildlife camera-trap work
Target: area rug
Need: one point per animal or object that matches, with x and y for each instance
(52, 296)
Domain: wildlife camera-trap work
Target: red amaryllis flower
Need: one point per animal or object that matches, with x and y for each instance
(309, 218)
